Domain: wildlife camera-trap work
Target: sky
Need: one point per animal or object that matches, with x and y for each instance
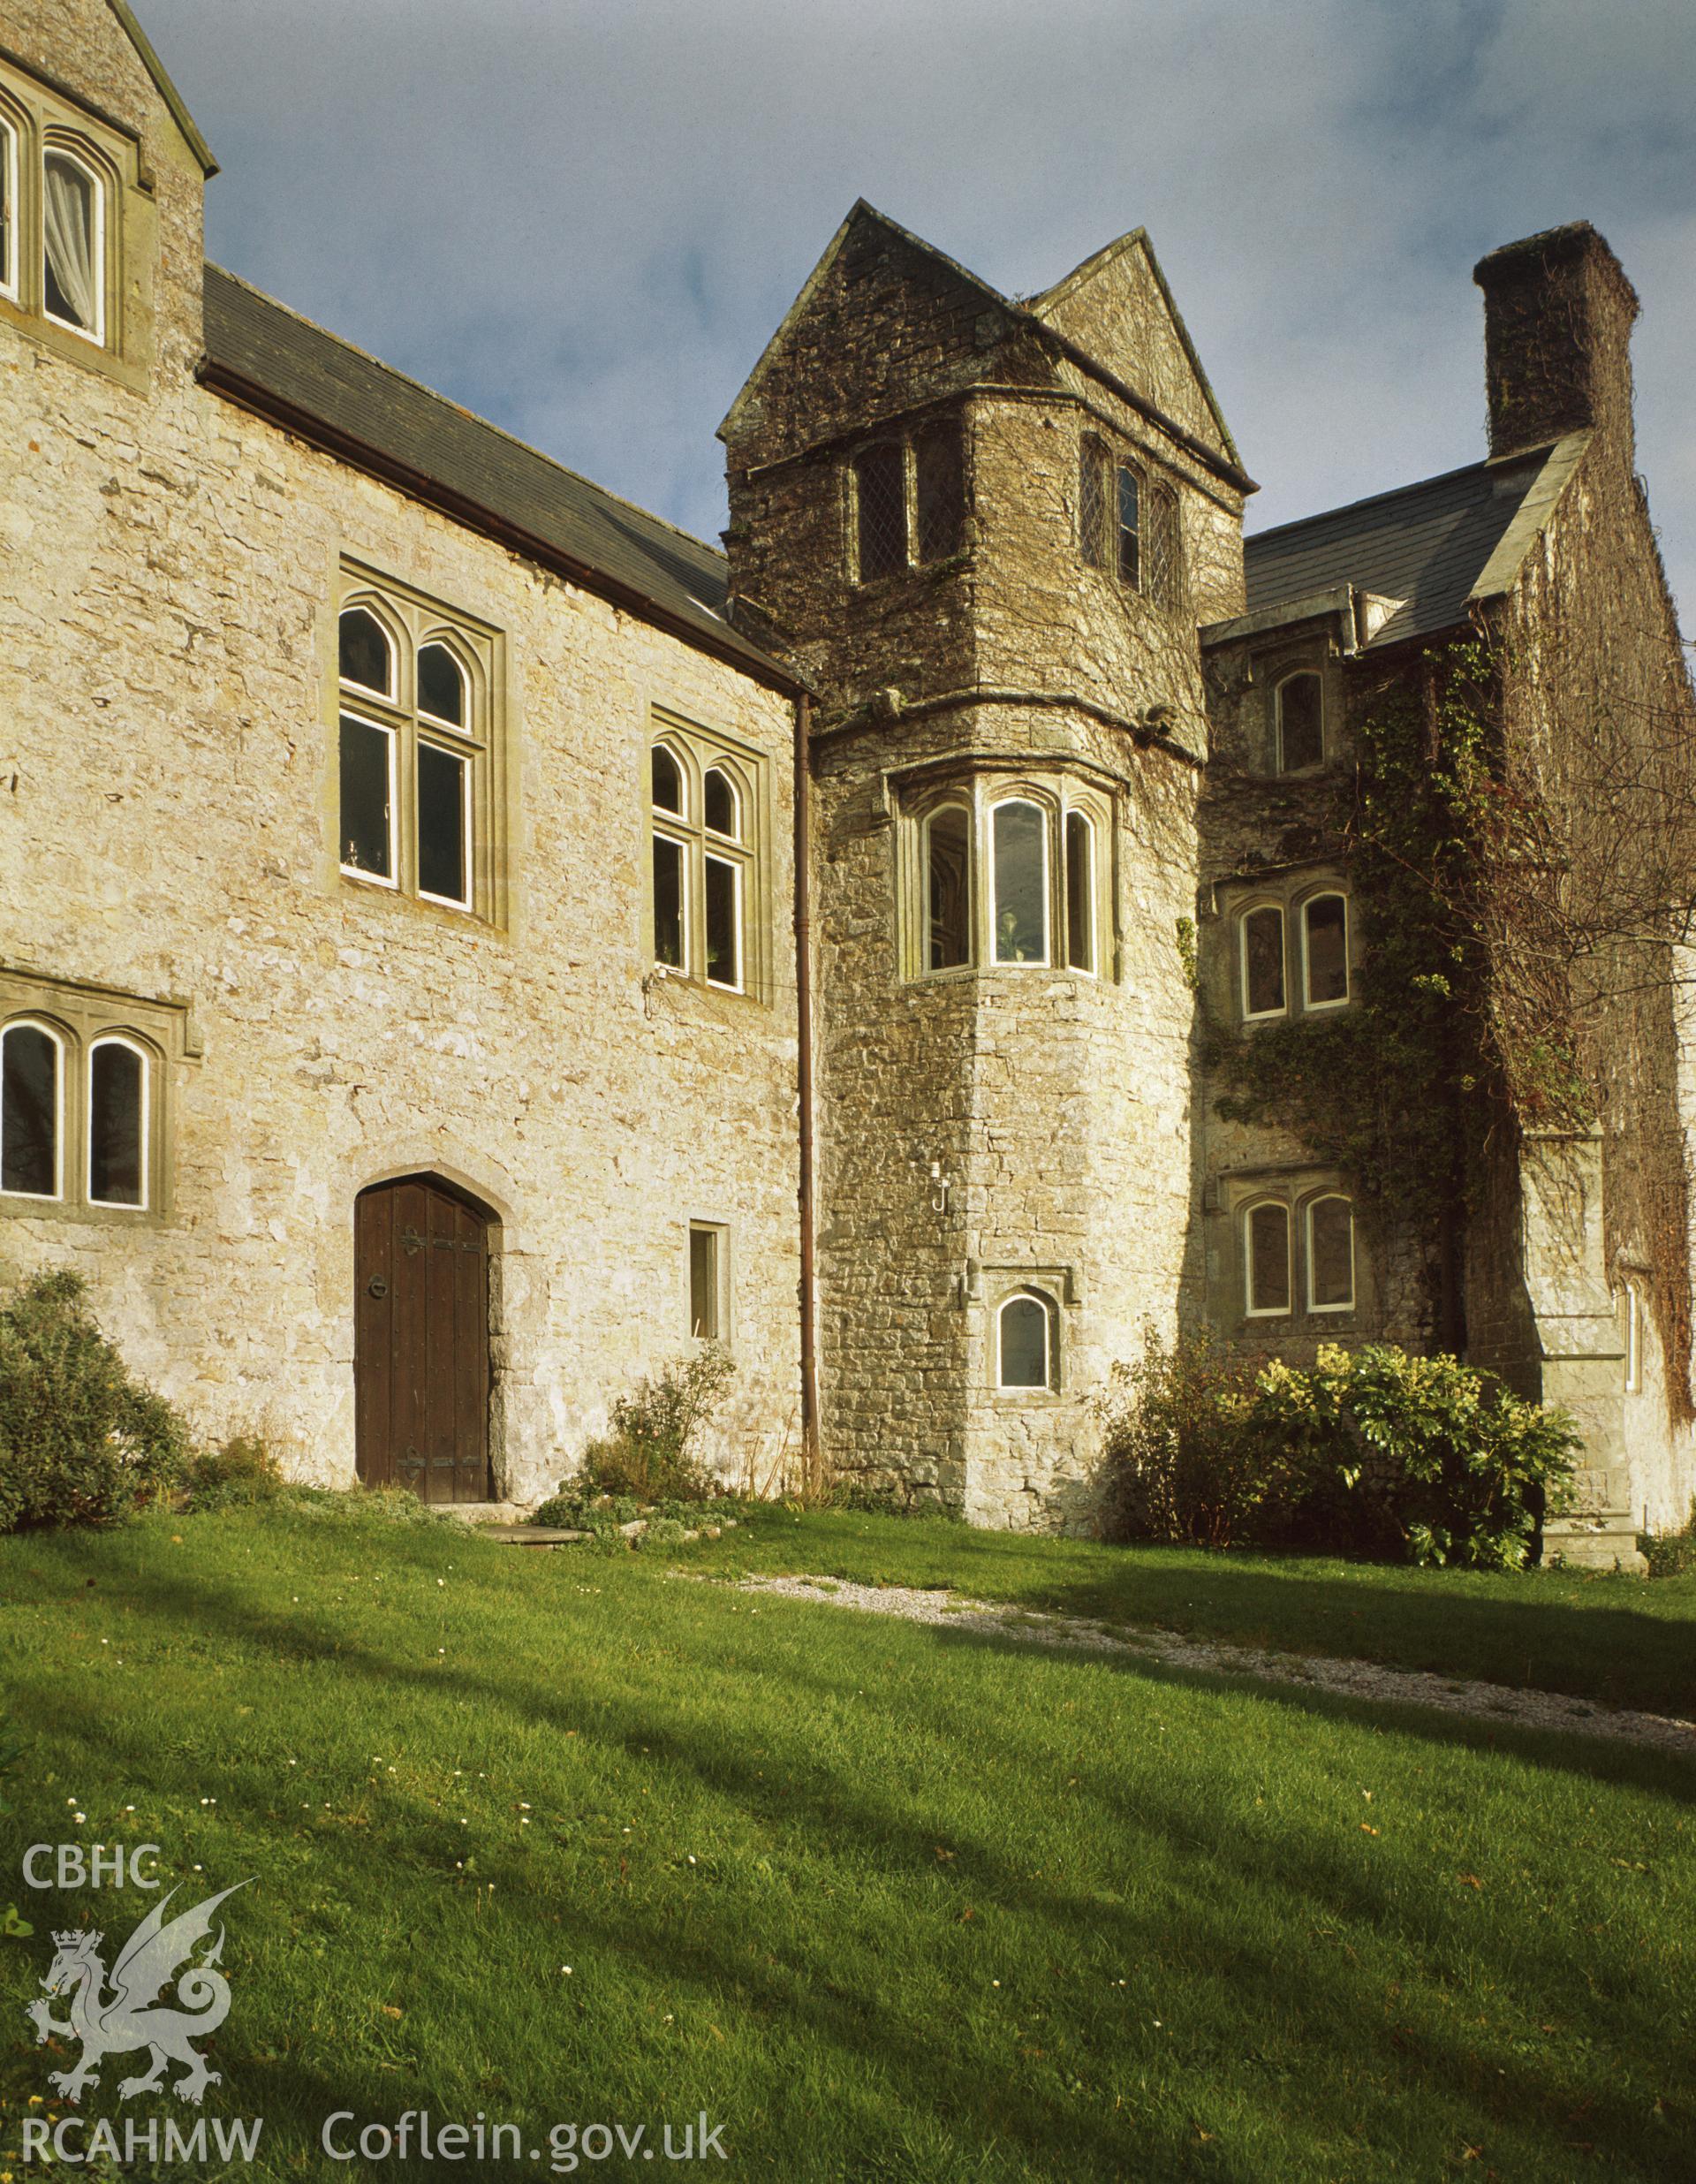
(583, 218)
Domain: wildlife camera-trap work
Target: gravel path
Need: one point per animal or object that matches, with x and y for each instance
(1357, 1680)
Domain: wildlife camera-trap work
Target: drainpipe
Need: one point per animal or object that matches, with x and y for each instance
(812, 1460)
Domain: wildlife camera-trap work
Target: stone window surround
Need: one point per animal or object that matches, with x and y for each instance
(724, 1282)
(1102, 453)
(1269, 667)
(986, 1285)
(1289, 894)
(41, 118)
(904, 435)
(698, 750)
(412, 619)
(1292, 671)
(979, 785)
(81, 1015)
(1297, 1191)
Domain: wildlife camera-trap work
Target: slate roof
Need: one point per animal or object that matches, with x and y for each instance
(1425, 544)
(312, 382)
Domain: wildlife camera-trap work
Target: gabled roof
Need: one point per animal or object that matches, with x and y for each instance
(1223, 459)
(1100, 261)
(312, 382)
(1426, 545)
(168, 91)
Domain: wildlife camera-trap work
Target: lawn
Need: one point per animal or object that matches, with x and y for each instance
(1594, 1635)
(886, 1902)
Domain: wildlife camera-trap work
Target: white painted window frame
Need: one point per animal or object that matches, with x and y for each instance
(1250, 1310)
(437, 641)
(466, 847)
(735, 868)
(387, 729)
(11, 169)
(1310, 1007)
(53, 149)
(1045, 961)
(133, 1046)
(62, 1050)
(1634, 1338)
(391, 695)
(1050, 1344)
(1255, 909)
(1327, 1198)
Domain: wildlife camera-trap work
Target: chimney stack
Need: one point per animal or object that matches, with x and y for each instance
(1557, 329)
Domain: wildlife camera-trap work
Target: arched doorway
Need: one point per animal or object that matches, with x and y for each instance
(420, 1339)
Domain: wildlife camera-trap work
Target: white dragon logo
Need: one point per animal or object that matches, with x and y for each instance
(132, 2015)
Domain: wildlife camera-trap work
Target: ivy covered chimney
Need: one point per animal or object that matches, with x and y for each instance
(1557, 327)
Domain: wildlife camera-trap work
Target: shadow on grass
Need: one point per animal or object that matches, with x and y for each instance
(1619, 1640)
(1205, 1941)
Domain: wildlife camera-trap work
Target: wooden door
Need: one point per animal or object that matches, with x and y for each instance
(421, 1342)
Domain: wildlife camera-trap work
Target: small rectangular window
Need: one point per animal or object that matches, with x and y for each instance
(1165, 554)
(1330, 1255)
(668, 902)
(367, 828)
(1301, 723)
(940, 486)
(723, 923)
(705, 1283)
(1091, 502)
(1262, 944)
(443, 814)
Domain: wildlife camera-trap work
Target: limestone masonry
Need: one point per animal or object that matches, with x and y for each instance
(402, 1023)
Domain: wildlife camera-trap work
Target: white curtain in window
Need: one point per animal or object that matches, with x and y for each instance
(69, 227)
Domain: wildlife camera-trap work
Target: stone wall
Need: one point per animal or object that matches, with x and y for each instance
(167, 682)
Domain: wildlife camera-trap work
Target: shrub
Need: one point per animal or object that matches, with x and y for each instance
(1182, 1459)
(80, 1443)
(1369, 1451)
(650, 1452)
(242, 1471)
(1671, 1554)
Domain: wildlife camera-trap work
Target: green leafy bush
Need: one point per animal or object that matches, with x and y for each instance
(1182, 1461)
(240, 1472)
(1369, 1451)
(1671, 1554)
(80, 1443)
(649, 1453)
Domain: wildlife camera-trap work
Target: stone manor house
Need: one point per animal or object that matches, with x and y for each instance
(464, 941)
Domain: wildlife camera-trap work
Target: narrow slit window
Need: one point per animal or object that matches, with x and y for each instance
(1633, 1339)
(117, 1124)
(1080, 892)
(939, 462)
(8, 209)
(368, 658)
(444, 825)
(720, 805)
(1301, 723)
(1094, 467)
(1020, 845)
(723, 923)
(1330, 1255)
(1267, 1236)
(668, 934)
(1024, 1330)
(31, 1076)
(440, 686)
(948, 866)
(705, 1283)
(368, 822)
(72, 245)
(1262, 942)
(880, 503)
(1325, 950)
(1129, 525)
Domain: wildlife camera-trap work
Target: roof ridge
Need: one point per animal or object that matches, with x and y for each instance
(475, 416)
(1394, 492)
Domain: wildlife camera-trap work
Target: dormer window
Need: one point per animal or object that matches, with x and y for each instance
(73, 245)
(1300, 722)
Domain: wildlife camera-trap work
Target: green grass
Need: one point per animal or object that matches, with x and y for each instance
(1597, 1636)
(886, 1902)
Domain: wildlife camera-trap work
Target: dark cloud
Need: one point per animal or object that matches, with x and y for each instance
(585, 220)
